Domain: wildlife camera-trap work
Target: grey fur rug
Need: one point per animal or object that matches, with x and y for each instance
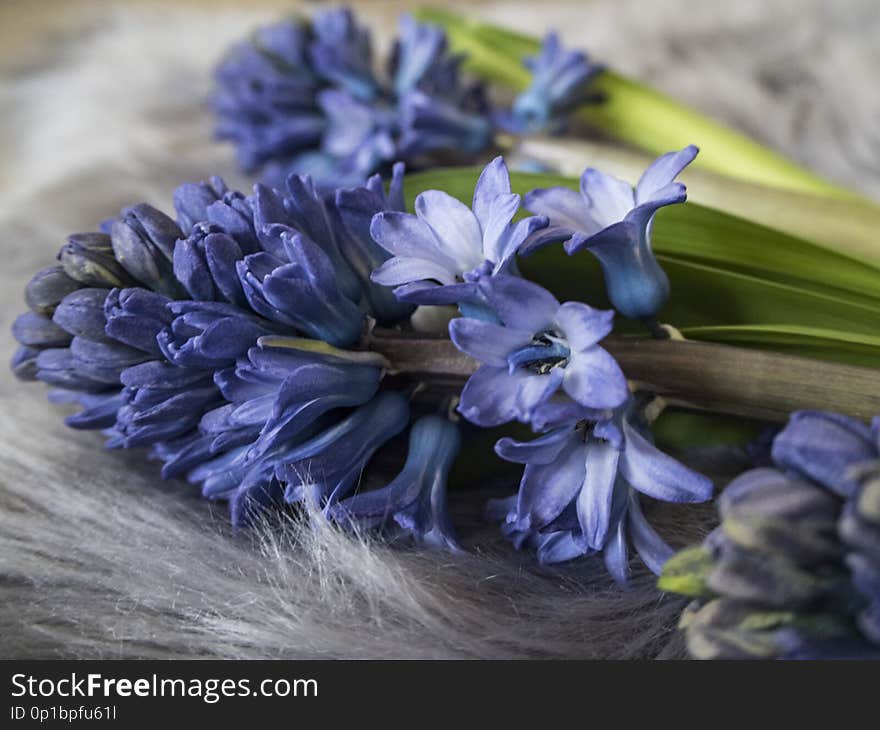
(98, 558)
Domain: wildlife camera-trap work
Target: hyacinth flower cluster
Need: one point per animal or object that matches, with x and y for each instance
(793, 571)
(561, 81)
(218, 341)
(306, 97)
(541, 364)
(229, 342)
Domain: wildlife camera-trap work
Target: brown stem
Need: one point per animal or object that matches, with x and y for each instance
(700, 375)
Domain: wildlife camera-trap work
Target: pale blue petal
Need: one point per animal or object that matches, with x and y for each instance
(565, 208)
(454, 225)
(663, 171)
(402, 270)
(652, 549)
(520, 303)
(583, 325)
(658, 475)
(487, 342)
(595, 498)
(489, 396)
(494, 181)
(547, 489)
(610, 198)
(402, 234)
(542, 450)
(594, 379)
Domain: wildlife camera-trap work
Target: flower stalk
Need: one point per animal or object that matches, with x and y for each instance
(700, 375)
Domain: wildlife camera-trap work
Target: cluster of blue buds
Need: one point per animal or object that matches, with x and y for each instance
(305, 97)
(542, 364)
(227, 342)
(793, 571)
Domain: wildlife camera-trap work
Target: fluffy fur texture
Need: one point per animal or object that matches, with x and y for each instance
(100, 559)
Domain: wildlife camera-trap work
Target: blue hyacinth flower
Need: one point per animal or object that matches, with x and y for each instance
(613, 221)
(578, 491)
(308, 98)
(414, 502)
(538, 347)
(440, 253)
(560, 83)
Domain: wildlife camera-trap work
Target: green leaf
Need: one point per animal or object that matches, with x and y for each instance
(632, 112)
(733, 281)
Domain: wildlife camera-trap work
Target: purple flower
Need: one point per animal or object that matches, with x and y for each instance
(613, 221)
(560, 83)
(342, 52)
(274, 394)
(415, 500)
(538, 347)
(440, 253)
(578, 491)
(89, 259)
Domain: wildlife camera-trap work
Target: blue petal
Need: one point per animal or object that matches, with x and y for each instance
(405, 235)
(658, 475)
(426, 292)
(520, 303)
(663, 171)
(494, 180)
(595, 497)
(547, 489)
(565, 208)
(652, 549)
(454, 225)
(400, 270)
(490, 343)
(610, 198)
(616, 555)
(489, 396)
(582, 325)
(542, 450)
